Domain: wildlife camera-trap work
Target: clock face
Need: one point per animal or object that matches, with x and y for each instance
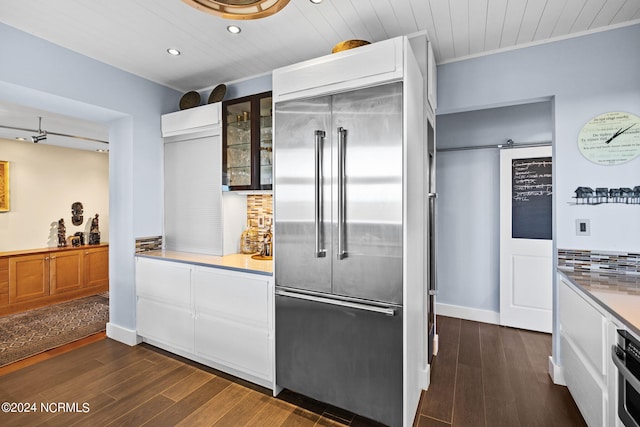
(611, 138)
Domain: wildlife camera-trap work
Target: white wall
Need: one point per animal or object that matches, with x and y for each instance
(74, 85)
(45, 181)
(584, 76)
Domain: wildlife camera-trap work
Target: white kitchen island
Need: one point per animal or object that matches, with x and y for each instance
(215, 310)
(592, 307)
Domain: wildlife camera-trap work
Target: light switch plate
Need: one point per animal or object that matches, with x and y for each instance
(583, 227)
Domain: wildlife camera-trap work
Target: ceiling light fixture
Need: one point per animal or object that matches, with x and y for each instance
(316, 1)
(233, 29)
(173, 52)
(42, 134)
(239, 9)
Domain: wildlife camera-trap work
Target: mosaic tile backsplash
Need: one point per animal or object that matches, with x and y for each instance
(599, 261)
(146, 244)
(260, 206)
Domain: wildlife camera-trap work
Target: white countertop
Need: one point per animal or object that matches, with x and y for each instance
(619, 294)
(237, 262)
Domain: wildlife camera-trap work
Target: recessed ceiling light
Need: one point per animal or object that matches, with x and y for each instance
(233, 29)
(100, 150)
(316, 1)
(19, 138)
(173, 52)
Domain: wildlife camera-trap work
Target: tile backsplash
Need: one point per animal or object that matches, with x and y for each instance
(146, 244)
(260, 206)
(599, 261)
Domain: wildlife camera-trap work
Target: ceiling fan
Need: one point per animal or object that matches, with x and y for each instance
(42, 134)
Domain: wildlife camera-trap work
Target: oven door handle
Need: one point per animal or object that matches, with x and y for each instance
(624, 371)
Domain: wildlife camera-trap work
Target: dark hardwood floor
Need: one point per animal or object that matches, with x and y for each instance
(488, 375)
(484, 375)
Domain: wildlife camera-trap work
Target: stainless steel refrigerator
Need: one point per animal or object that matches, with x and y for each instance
(338, 209)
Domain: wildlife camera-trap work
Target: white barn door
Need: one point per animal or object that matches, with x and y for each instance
(526, 266)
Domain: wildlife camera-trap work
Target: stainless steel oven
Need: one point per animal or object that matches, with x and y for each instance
(626, 357)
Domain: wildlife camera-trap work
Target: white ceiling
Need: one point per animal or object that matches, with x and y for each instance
(134, 35)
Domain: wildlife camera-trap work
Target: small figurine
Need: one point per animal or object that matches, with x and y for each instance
(62, 231)
(267, 247)
(76, 213)
(94, 232)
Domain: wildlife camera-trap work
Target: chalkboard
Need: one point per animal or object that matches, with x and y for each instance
(531, 198)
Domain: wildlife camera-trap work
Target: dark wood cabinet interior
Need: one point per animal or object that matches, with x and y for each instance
(247, 143)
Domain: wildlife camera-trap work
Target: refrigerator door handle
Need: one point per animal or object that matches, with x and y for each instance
(319, 196)
(342, 139)
(389, 311)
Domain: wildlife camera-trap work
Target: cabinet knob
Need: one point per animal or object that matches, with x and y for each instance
(52, 257)
(46, 258)
(86, 253)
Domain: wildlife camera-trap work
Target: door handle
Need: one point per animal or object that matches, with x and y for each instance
(389, 311)
(342, 139)
(319, 196)
(624, 371)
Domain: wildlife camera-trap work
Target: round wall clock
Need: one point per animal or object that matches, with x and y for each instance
(611, 138)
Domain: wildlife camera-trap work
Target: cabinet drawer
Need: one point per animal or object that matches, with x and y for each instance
(368, 65)
(165, 281)
(236, 345)
(590, 397)
(585, 326)
(165, 323)
(233, 295)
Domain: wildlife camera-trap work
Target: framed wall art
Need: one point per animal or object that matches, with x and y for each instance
(4, 186)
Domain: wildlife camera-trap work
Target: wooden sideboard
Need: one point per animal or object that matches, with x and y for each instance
(40, 277)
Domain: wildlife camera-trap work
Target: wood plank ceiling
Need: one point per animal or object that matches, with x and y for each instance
(133, 35)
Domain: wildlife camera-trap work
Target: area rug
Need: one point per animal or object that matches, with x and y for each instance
(25, 334)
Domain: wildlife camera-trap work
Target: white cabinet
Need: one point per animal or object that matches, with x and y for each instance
(221, 318)
(364, 66)
(165, 323)
(234, 320)
(583, 346)
(164, 302)
(193, 120)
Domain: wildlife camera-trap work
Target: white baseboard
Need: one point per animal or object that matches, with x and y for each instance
(425, 378)
(556, 373)
(124, 335)
(468, 313)
(436, 344)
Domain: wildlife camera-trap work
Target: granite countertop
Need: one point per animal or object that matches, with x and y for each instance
(619, 294)
(236, 262)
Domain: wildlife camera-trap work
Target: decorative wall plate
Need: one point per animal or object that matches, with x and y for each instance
(190, 100)
(217, 94)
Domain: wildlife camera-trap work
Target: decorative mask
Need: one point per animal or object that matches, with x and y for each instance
(76, 213)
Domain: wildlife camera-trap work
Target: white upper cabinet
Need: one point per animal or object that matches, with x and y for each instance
(205, 118)
(193, 208)
(363, 66)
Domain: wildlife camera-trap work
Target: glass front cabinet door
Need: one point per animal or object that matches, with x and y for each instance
(247, 143)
